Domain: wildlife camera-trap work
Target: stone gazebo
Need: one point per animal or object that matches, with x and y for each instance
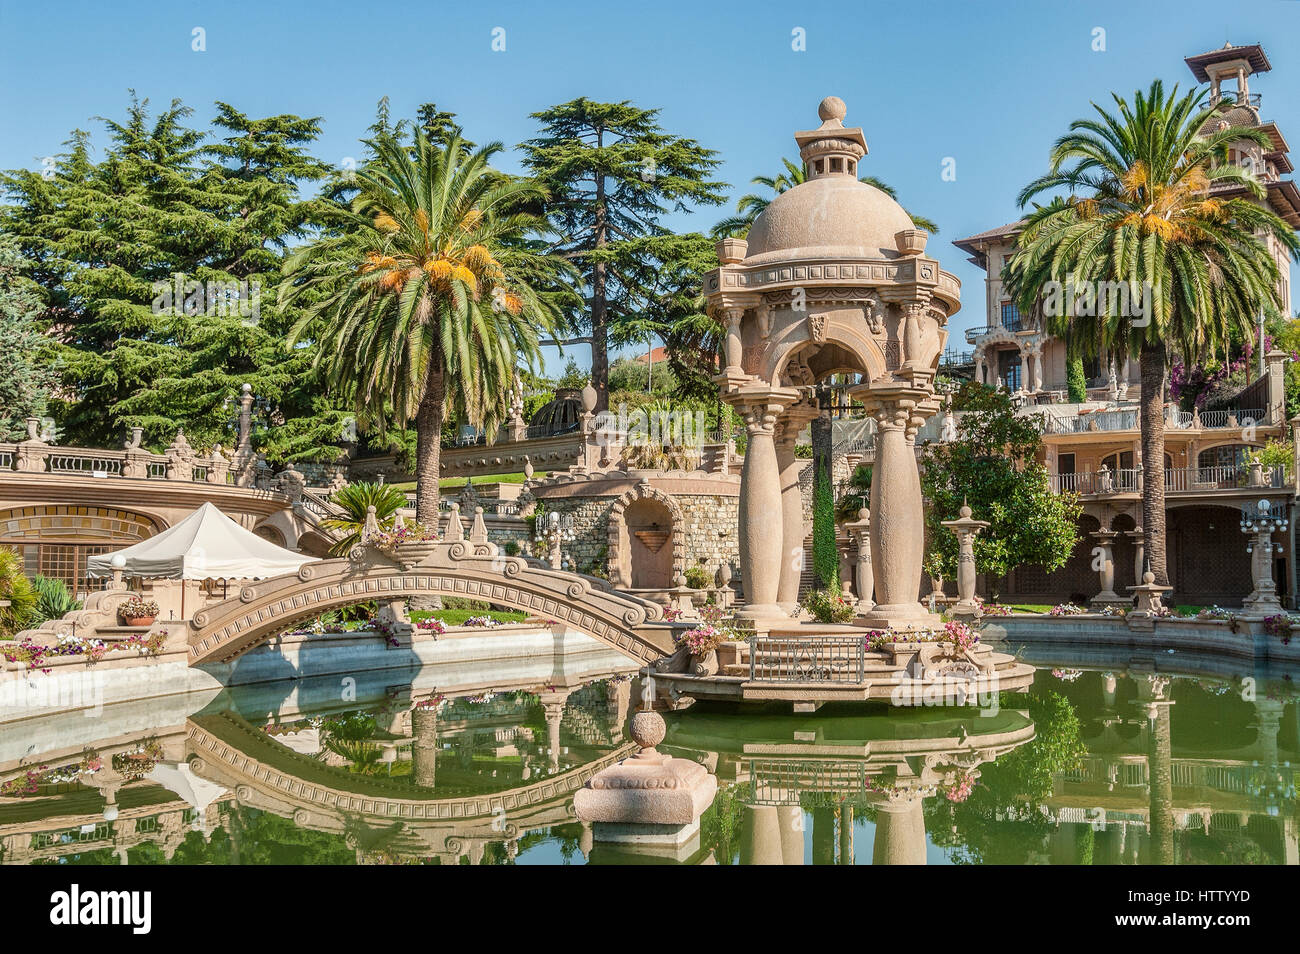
(832, 280)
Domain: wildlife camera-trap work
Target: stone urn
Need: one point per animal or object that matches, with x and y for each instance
(705, 665)
(413, 552)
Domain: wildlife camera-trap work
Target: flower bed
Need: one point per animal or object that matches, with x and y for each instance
(701, 640)
(1066, 609)
(35, 655)
(389, 540)
(957, 633)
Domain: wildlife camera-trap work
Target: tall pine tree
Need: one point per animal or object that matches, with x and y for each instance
(612, 174)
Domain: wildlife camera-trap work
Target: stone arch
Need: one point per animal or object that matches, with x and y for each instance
(797, 338)
(471, 569)
(268, 532)
(620, 542)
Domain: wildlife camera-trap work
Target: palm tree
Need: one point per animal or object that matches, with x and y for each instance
(18, 599)
(749, 206)
(425, 303)
(356, 500)
(1150, 206)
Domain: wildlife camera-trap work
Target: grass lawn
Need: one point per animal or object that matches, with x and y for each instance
(453, 483)
(457, 617)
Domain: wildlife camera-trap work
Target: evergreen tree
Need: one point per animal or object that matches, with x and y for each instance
(612, 174)
(153, 266)
(25, 378)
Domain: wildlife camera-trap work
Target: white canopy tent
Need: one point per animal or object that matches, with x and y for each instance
(206, 545)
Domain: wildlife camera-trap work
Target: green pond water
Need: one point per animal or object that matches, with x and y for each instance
(1093, 765)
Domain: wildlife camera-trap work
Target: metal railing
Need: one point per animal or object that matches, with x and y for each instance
(972, 334)
(781, 782)
(1177, 480)
(1229, 417)
(840, 659)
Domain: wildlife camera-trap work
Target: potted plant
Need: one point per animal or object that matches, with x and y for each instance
(138, 611)
(701, 644)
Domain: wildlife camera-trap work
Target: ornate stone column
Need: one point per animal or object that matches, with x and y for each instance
(553, 707)
(792, 526)
(424, 754)
(734, 351)
(900, 831)
(1139, 551)
(897, 514)
(761, 533)
(966, 528)
(863, 584)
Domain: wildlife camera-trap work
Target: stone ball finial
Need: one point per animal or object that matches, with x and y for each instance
(247, 388)
(1148, 578)
(964, 512)
(118, 562)
(864, 513)
(647, 730)
(832, 107)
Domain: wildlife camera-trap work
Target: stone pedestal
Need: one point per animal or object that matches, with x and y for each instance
(1149, 606)
(966, 528)
(648, 798)
(1104, 563)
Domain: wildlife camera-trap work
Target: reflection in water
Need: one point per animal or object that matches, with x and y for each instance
(1092, 766)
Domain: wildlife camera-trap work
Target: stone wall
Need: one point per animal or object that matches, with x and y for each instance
(709, 520)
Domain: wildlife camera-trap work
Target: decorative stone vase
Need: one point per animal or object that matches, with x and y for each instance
(705, 665)
(414, 551)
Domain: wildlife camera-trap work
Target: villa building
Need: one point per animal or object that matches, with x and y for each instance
(1093, 448)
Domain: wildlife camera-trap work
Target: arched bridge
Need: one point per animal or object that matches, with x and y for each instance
(470, 568)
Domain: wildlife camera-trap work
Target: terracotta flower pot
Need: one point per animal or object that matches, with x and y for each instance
(139, 620)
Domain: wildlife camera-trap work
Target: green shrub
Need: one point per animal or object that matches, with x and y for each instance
(512, 548)
(828, 606)
(826, 555)
(53, 600)
(1077, 382)
(698, 578)
(17, 590)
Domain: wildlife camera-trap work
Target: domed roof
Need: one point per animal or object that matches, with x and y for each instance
(835, 216)
(832, 214)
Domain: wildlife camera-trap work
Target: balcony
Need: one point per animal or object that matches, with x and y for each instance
(1178, 480)
(1126, 419)
(974, 334)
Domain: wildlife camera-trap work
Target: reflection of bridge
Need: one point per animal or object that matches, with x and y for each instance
(234, 765)
(458, 567)
(367, 809)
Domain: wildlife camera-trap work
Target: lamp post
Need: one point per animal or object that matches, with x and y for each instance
(557, 531)
(1261, 522)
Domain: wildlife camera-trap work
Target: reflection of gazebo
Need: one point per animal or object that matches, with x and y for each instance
(891, 762)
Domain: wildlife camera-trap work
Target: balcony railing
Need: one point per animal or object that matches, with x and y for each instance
(1178, 480)
(972, 334)
(1126, 419)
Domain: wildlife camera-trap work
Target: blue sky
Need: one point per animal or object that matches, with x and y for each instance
(989, 85)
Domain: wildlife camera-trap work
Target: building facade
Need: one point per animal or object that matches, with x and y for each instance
(1093, 447)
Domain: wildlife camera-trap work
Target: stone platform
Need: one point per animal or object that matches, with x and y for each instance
(809, 665)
